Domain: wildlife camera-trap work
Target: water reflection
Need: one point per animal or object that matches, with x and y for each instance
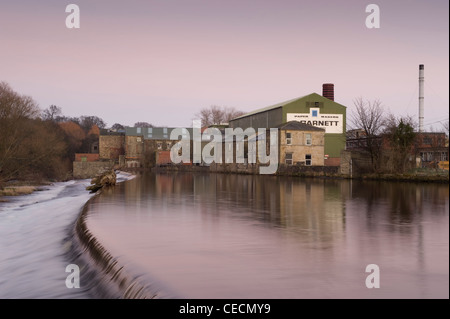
(265, 236)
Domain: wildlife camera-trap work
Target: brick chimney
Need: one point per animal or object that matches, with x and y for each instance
(328, 91)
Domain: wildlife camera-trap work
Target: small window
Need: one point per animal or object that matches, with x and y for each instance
(138, 130)
(138, 139)
(444, 156)
(288, 139)
(308, 159)
(427, 140)
(149, 132)
(308, 139)
(288, 158)
(314, 113)
(159, 145)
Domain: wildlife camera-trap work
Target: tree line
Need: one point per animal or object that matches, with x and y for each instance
(387, 139)
(40, 144)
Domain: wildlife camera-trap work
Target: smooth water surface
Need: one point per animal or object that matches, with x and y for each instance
(240, 236)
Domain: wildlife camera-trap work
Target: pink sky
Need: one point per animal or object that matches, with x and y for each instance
(162, 61)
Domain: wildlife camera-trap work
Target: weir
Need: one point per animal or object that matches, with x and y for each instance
(105, 276)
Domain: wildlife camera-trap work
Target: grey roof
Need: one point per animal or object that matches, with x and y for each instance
(295, 125)
(268, 108)
(153, 133)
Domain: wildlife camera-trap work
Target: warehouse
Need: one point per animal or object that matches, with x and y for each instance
(313, 109)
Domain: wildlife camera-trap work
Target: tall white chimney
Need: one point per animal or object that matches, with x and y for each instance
(421, 82)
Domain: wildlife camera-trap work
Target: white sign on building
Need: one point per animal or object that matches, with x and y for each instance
(332, 123)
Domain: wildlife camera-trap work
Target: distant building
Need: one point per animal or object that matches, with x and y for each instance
(142, 144)
(111, 144)
(431, 148)
(313, 109)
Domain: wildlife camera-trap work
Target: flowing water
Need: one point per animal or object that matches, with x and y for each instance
(184, 235)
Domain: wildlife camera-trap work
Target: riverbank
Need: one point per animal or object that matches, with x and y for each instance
(19, 188)
(322, 172)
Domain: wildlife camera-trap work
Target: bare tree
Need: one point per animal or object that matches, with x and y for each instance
(216, 115)
(87, 122)
(368, 116)
(400, 133)
(445, 127)
(28, 146)
(143, 124)
(52, 113)
(117, 126)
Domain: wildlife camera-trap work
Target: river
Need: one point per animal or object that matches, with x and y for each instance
(242, 236)
(231, 236)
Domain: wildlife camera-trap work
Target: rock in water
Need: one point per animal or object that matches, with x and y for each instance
(108, 178)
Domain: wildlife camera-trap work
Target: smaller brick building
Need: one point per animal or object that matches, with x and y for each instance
(301, 144)
(111, 144)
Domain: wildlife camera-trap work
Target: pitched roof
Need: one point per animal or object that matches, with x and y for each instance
(268, 108)
(295, 125)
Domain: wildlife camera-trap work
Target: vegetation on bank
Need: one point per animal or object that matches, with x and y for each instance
(38, 146)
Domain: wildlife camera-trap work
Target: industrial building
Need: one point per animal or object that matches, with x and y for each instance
(317, 110)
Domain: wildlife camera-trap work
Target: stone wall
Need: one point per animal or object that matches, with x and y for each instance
(111, 146)
(354, 163)
(84, 170)
(288, 170)
(299, 149)
(300, 170)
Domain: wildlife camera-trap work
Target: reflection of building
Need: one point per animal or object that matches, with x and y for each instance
(313, 109)
(313, 209)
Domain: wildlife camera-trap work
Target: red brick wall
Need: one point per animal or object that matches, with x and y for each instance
(332, 161)
(163, 157)
(89, 157)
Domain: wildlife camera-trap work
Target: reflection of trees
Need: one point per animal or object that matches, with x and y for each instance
(405, 201)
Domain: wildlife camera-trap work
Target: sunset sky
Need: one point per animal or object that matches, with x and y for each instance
(161, 61)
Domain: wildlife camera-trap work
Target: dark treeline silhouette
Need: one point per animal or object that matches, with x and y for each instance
(37, 144)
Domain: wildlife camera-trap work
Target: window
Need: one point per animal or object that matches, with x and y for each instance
(314, 113)
(427, 140)
(444, 156)
(288, 158)
(308, 139)
(138, 130)
(308, 159)
(165, 132)
(150, 132)
(138, 139)
(288, 139)
(159, 145)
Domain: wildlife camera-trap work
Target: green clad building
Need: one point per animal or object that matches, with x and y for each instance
(313, 109)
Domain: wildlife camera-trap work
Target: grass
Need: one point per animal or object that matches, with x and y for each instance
(17, 190)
